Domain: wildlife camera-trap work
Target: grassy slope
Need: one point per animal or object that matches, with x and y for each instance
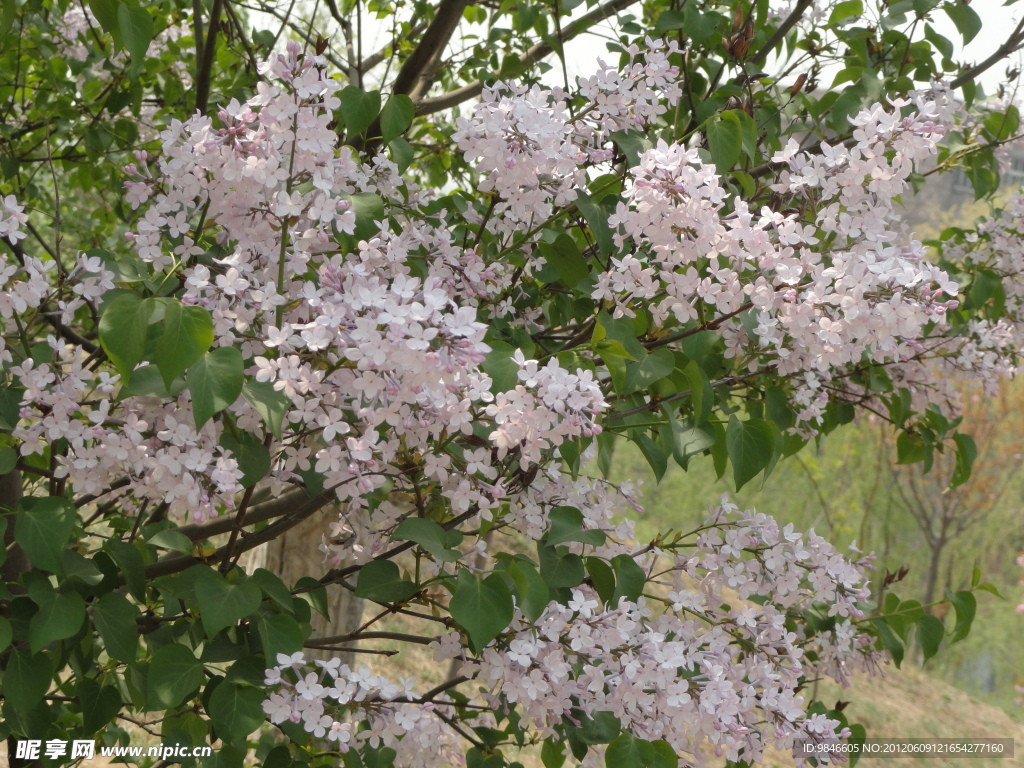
(912, 704)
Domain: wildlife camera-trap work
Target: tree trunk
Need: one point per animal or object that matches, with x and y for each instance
(296, 554)
(932, 577)
(17, 563)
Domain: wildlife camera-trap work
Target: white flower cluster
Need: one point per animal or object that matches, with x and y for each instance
(717, 667)
(808, 299)
(324, 700)
(530, 148)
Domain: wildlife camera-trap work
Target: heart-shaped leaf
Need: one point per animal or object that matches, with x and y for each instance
(215, 382)
(222, 604)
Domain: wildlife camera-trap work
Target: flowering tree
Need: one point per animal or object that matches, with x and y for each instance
(315, 283)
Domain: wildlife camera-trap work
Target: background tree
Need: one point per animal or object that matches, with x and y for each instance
(336, 290)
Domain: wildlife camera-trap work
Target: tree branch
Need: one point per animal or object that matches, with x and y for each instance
(253, 540)
(532, 56)
(416, 74)
(783, 29)
(206, 62)
(1013, 43)
(268, 510)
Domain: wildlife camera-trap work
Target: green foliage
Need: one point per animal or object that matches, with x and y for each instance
(221, 603)
(627, 751)
(360, 109)
(381, 581)
(173, 674)
(43, 528)
(215, 381)
(483, 607)
(431, 537)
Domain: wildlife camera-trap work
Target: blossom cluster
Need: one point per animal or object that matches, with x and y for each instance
(324, 701)
(532, 151)
(808, 299)
(717, 667)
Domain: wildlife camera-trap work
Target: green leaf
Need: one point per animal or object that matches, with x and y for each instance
(27, 679)
(215, 381)
(751, 446)
(173, 540)
(652, 367)
(501, 367)
(313, 593)
(115, 617)
(627, 751)
(629, 579)
(99, 704)
(483, 607)
(10, 406)
(602, 577)
(551, 754)
(271, 405)
(567, 525)
(8, 14)
(929, 635)
(187, 335)
(359, 109)
(966, 606)
(43, 528)
(701, 26)
(147, 381)
(222, 604)
(966, 453)
(565, 256)
(910, 448)
(279, 634)
(382, 582)
(402, 153)
(903, 616)
(431, 536)
(983, 586)
(236, 711)
(59, 617)
(847, 9)
(987, 286)
(889, 640)
(669, 20)
(559, 567)
(123, 330)
(396, 117)
(136, 26)
(252, 455)
(129, 560)
(656, 455)
(8, 459)
(966, 20)
(531, 592)
(272, 587)
(597, 220)
(632, 144)
(174, 673)
(6, 634)
(599, 728)
(725, 139)
(369, 209)
(106, 14)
